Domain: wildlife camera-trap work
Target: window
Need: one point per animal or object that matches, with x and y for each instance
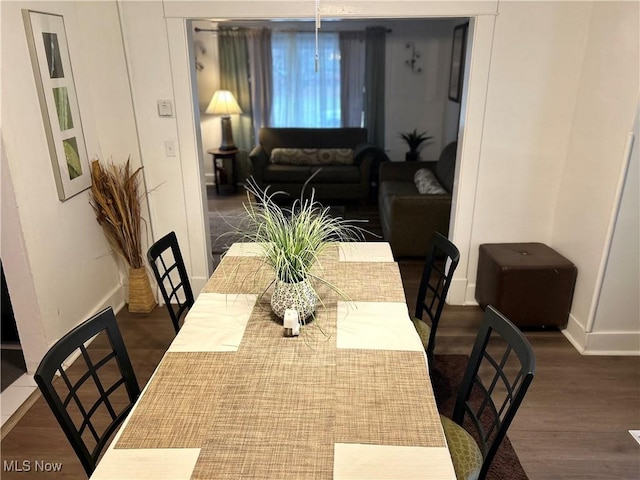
(303, 97)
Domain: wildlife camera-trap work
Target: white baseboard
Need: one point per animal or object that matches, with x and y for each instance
(575, 334)
(470, 296)
(601, 343)
(461, 293)
(595, 343)
(115, 300)
(457, 292)
(613, 343)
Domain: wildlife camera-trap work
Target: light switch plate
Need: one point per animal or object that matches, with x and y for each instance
(170, 148)
(165, 108)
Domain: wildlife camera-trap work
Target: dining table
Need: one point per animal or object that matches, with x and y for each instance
(348, 398)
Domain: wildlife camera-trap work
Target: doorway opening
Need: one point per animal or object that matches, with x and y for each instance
(13, 365)
(418, 91)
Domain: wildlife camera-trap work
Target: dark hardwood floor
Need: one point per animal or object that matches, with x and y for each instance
(573, 423)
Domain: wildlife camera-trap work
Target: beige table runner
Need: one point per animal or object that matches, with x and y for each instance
(316, 406)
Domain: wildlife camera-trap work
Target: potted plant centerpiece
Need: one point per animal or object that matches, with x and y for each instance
(292, 238)
(115, 198)
(414, 140)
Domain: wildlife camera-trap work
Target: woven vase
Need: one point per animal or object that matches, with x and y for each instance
(141, 299)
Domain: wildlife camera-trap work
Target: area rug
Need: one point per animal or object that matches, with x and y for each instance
(446, 376)
(223, 229)
(223, 226)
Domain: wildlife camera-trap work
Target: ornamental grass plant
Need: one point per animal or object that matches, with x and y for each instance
(115, 198)
(292, 239)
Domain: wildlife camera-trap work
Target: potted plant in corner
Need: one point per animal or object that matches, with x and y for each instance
(115, 198)
(414, 140)
(292, 240)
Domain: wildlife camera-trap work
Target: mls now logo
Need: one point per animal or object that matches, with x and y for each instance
(28, 465)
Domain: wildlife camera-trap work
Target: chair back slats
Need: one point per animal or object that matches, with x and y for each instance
(88, 428)
(440, 264)
(182, 307)
(170, 273)
(109, 431)
(499, 383)
(104, 400)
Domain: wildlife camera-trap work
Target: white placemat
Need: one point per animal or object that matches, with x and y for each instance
(365, 252)
(356, 461)
(215, 323)
(376, 326)
(152, 464)
(248, 249)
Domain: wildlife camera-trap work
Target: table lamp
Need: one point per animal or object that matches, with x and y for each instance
(223, 103)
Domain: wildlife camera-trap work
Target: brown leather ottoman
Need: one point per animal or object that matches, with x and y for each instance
(530, 283)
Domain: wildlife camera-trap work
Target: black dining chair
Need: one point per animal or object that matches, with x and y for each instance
(168, 268)
(497, 377)
(440, 264)
(91, 397)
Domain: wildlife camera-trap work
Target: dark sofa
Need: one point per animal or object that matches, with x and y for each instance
(309, 150)
(409, 218)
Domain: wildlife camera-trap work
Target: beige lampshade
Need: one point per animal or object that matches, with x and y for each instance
(223, 103)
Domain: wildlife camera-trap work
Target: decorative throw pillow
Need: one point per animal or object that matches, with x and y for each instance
(294, 156)
(335, 156)
(427, 183)
(312, 156)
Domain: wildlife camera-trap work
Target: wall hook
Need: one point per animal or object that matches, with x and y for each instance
(411, 63)
(201, 50)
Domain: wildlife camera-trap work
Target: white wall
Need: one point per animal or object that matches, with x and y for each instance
(618, 307)
(175, 182)
(61, 271)
(535, 68)
(607, 97)
(147, 50)
(562, 89)
(417, 100)
(208, 81)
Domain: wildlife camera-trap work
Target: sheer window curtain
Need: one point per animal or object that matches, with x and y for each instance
(303, 97)
(352, 60)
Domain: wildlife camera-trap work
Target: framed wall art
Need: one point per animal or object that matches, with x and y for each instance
(51, 63)
(456, 71)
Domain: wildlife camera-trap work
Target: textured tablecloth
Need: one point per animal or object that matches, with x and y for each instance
(233, 398)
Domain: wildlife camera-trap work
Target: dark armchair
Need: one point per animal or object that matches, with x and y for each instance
(410, 218)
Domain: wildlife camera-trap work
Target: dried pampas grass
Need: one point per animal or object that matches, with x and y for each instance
(115, 198)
